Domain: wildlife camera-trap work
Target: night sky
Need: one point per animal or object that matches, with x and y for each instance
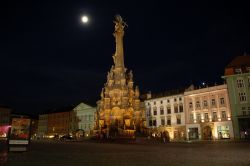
(49, 58)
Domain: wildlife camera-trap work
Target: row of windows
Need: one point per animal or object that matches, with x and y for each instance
(83, 118)
(43, 118)
(86, 117)
(168, 101)
(239, 71)
(240, 82)
(177, 109)
(245, 113)
(244, 108)
(154, 122)
(206, 117)
(205, 103)
(86, 126)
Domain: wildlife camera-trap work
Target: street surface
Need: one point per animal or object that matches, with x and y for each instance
(50, 153)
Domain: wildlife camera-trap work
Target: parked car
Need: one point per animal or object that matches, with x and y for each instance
(66, 138)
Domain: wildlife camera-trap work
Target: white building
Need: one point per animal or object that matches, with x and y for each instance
(42, 128)
(208, 113)
(166, 114)
(82, 118)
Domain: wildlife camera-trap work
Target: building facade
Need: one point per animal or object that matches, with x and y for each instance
(82, 119)
(5, 113)
(166, 114)
(237, 76)
(58, 123)
(208, 113)
(42, 126)
(119, 110)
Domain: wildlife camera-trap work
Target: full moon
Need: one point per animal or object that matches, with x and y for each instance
(85, 19)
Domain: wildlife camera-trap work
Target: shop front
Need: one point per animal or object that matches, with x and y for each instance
(224, 130)
(193, 131)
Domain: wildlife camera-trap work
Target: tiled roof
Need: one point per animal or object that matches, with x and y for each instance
(239, 61)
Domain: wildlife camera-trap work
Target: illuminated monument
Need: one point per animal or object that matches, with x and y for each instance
(119, 111)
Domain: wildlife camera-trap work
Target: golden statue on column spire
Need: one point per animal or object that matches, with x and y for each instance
(119, 110)
(118, 34)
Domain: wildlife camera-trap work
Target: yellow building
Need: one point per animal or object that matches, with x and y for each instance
(119, 111)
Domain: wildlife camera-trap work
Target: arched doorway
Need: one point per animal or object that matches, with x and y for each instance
(207, 133)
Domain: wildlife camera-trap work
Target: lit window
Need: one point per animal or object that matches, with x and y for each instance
(214, 116)
(222, 101)
(205, 103)
(190, 105)
(242, 96)
(198, 106)
(155, 110)
(169, 120)
(169, 110)
(213, 102)
(223, 115)
(149, 113)
(248, 69)
(181, 108)
(206, 116)
(162, 110)
(154, 122)
(238, 71)
(198, 117)
(176, 109)
(162, 121)
(178, 119)
(240, 83)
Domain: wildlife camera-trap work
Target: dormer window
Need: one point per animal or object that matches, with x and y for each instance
(248, 69)
(238, 71)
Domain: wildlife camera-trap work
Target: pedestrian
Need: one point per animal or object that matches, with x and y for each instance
(164, 137)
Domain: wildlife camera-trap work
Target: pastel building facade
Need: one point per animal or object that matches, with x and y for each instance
(237, 76)
(208, 113)
(42, 126)
(82, 118)
(166, 114)
(58, 123)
